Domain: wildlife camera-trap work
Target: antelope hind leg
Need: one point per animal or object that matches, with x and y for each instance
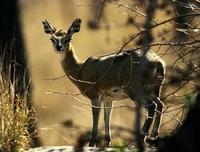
(158, 117)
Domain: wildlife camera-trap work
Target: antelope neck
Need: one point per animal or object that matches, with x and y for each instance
(70, 62)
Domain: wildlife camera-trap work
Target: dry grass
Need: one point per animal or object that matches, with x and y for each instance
(14, 118)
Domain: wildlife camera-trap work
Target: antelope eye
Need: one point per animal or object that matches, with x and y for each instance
(52, 40)
(66, 41)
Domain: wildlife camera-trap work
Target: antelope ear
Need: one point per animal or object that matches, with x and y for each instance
(75, 26)
(48, 28)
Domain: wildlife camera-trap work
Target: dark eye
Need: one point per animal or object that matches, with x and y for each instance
(52, 40)
(66, 41)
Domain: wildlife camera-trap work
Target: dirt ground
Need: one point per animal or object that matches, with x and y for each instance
(52, 109)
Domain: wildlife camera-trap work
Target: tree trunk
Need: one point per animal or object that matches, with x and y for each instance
(13, 54)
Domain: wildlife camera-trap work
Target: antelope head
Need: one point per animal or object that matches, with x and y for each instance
(61, 39)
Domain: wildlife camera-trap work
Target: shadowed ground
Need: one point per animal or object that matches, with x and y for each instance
(86, 149)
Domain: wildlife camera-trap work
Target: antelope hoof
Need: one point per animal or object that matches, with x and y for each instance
(92, 142)
(151, 141)
(144, 136)
(154, 135)
(106, 143)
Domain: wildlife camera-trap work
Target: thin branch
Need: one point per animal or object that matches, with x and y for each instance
(173, 92)
(55, 78)
(88, 104)
(95, 4)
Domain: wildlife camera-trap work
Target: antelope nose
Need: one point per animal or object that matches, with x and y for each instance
(59, 47)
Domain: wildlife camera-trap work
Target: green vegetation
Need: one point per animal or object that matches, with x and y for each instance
(190, 99)
(122, 146)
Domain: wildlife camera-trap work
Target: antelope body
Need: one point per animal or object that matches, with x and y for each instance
(111, 77)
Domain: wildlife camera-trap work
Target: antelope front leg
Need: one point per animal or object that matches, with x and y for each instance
(158, 117)
(95, 114)
(107, 117)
